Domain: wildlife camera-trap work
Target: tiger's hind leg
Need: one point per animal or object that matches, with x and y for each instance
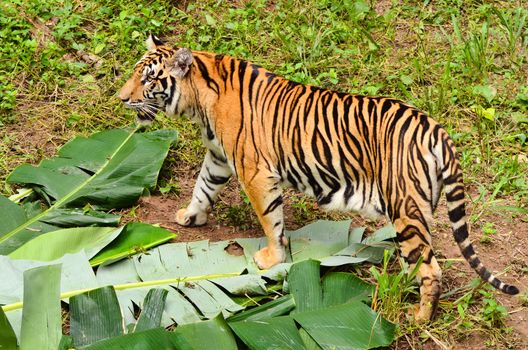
(213, 177)
(415, 242)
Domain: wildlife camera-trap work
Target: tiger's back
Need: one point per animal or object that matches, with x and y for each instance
(373, 155)
(336, 147)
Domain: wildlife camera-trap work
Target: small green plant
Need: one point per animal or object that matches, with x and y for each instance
(488, 230)
(491, 312)
(393, 289)
(169, 187)
(524, 299)
(238, 215)
(304, 208)
(514, 25)
(475, 53)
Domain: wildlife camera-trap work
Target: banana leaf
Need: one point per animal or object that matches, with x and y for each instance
(8, 340)
(152, 310)
(108, 170)
(188, 300)
(136, 237)
(156, 338)
(211, 334)
(41, 316)
(94, 316)
(277, 307)
(70, 240)
(201, 279)
(328, 311)
(273, 333)
(349, 326)
(104, 244)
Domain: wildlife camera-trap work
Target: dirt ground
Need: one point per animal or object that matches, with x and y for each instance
(504, 255)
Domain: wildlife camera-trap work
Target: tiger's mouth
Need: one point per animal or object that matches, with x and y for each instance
(145, 111)
(144, 117)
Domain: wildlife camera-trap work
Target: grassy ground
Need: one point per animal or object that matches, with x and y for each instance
(464, 62)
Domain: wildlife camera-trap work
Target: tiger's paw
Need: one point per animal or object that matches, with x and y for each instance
(185, 218)
(421, 314)
(266, 257)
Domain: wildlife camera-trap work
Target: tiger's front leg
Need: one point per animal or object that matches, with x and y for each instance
(265, 195)
(213, 177)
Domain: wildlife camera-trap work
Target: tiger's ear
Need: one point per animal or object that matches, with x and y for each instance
(153, 42)
(181, 62)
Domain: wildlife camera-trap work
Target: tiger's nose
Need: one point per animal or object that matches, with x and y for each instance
(124, 95)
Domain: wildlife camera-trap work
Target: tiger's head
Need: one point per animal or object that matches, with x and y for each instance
(157, 81)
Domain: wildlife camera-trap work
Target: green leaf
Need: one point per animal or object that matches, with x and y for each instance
(99, 48)
(153, 306)
(11, 215)
(190, 299)
(487, 91)
(41, 315)
(94, 316)
(243, 284)
(76, 274)
(66, 343)
(8, 340)
(136, 237)
(71, 240)
(371, 249)
(188, 259)
(210, 20)
(77, 217)
(319, 239)
(341, 288)
(520, 117)
(486, 113)
(274, 333)
(156, 338)
(406, 80)
(108, 170)
(349, 326)
(305, 286)
(277, 307)
(212, 334)
(308, 341)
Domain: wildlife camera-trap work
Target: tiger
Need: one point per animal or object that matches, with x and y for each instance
(374, 155)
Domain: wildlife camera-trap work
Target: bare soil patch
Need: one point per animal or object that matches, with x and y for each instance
(504, 256)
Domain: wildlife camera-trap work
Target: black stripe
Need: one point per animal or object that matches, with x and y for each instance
(461, 233)
(457, 214)
(217, 180)
(455, 195)
(208, 197)
(205, 74)
(273, 205)
(468, 251)
(414, 254)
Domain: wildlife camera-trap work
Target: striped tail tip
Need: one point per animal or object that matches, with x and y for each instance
(509, 289)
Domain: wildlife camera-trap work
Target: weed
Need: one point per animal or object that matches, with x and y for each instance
(492, 314)
(524, 299)
(169, 187)
(393, 289)
(239, 215)
(488, 230)
(304, 208)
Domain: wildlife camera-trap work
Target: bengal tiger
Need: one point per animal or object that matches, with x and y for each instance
(374, 155)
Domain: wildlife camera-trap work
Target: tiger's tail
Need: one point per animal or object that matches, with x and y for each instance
(454, 189)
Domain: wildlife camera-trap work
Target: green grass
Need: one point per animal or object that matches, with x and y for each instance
(464, 62)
